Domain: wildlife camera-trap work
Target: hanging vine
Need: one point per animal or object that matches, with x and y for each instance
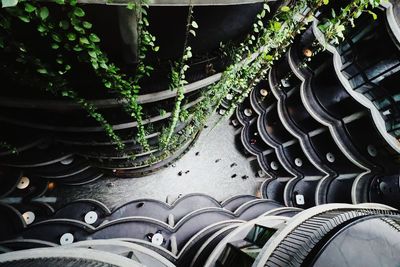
(178, 81)
(72, 33)
(43, 75)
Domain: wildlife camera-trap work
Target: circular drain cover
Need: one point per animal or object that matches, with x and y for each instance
(248, 112)
(66, 239)
(23, 182)
(330, 157)
(298, 162)
(157, 239)
(29, 217)
(91, 217)
(274, 166)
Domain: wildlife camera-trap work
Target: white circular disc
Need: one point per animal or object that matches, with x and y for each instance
(263, 92)
(274, 166)
(66, 239)
(372, 151)
(330, 157)
(248, 112)
(67, 161)
(298, 162)
(29, 217)
(157, 239)
(23, 182)
(229, 96)
(91, 217)
(222, 111)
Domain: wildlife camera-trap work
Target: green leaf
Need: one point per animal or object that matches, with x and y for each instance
(92, 54)
(156, 49)
(84, 40)
(79, 12)
(195, 25)
(9, 3)
(60, 2)
(277, 26)
(374, 16)
(71, 36)
(56, 37)
(87, 25)
(42, 71)
(55, 46)
(266, 7)
(285, 9)
(44, 13)
(41, 28)
(94, 38)
(24, 18)
(326, 2)
(192, 32)
(29, 8)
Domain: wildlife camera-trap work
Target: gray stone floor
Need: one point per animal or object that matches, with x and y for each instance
(209, 172)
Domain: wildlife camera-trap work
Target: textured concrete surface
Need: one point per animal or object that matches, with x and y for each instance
(207, 168)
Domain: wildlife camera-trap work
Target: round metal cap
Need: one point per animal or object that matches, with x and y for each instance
(372, 151)
(23, 182)
(263, 92)
(29, 217)
(298, 162)
(248, 112)
(157, 239)
(91, 217)
(274, 166)
(330, 157)
(67, 161)
(66, 239)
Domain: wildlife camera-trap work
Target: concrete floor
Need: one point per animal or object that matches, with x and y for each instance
(209, 172)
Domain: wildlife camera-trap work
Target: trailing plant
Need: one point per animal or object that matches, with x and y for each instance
(178, 81)
(73, 34)
(334, 27)
(44, 76)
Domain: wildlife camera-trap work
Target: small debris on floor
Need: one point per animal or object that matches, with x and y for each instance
(180, 173)
(233, 175)
(217, 160)
(173, 165)
(110, 184)
(186, 172)
(197, 153)
(244, 177)
(205, 126)
(233, 164)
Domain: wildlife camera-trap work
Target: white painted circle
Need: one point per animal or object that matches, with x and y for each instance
(372, 150)
(229, 96)
(66, 239)
(263, 92)
(29, 217)
(91, 217)
(23, 182)
(298, 162)
(274, 166)
(330, 157)
(67, 161)
(157, 239)
(248, 112)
